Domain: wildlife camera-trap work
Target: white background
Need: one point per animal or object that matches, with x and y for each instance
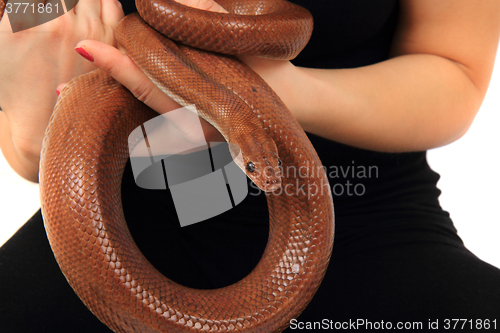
(470, 181)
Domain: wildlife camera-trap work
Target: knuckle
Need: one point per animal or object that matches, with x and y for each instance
(109, 36)
(143, 91)
(90, 28)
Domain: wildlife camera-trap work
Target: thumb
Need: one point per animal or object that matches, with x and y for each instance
(124, 70)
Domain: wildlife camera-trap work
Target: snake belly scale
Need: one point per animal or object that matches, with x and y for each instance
(86, 148)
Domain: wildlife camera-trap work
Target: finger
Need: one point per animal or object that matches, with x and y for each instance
(123, 69)
(90, 9)
(60, 88)
(111, 13)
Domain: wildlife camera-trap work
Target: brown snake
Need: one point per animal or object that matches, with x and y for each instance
(86, 148)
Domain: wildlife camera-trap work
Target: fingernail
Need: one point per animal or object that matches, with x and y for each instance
(84, 53)
(58, 92)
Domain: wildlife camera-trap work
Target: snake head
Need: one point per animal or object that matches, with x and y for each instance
(260, 162)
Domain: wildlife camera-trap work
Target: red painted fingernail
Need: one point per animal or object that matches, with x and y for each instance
(84, 53)
(58, 92)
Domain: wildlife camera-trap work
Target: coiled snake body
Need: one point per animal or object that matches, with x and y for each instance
(86, 149)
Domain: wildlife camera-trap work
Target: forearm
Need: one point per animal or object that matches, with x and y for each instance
(407, 103)
(23, 157)
(425, 96)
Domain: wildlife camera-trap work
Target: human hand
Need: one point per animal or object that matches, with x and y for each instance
(122, 68)
(33, 62)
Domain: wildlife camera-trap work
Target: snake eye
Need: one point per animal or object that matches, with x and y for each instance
(279, 163)
(250, 167)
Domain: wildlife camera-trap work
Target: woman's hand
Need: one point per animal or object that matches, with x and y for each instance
(32, 64)
(123, 69)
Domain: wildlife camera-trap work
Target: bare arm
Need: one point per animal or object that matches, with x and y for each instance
(425, 96)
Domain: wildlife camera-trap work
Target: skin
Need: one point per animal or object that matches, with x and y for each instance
(33, 63)
(426, 95)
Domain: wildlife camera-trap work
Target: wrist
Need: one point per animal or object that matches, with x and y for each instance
(284, 78)
(22, 155)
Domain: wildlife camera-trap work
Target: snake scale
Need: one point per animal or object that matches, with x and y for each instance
(85, 151)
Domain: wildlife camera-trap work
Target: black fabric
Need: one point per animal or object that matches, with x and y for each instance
(396, 257)
(35, 296)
